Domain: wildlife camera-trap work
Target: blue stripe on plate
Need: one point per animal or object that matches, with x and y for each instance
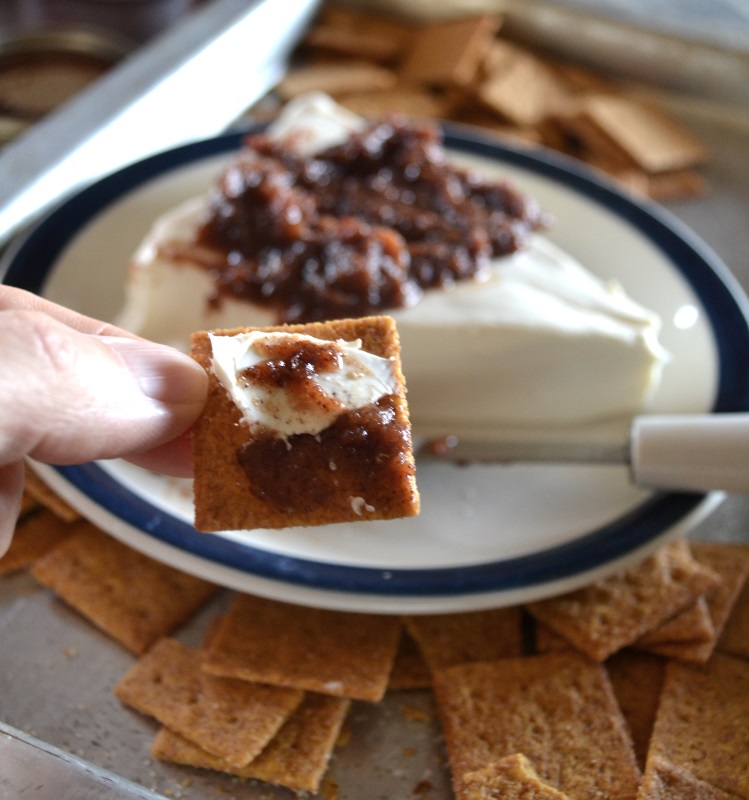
(723, 300)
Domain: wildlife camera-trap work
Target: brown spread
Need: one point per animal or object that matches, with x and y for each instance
(363, 226)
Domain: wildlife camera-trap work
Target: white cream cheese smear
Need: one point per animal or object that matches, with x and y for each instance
(313, 398)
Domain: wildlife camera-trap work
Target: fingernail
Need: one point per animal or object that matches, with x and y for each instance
(162, 373)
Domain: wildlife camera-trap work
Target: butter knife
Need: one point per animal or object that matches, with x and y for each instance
(678, 452)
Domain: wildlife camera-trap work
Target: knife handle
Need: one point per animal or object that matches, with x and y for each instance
(691, 452)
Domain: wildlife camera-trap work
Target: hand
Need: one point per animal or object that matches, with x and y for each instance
(74, 389)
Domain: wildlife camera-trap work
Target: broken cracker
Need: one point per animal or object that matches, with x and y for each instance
(129, 596)
(232, 719)
(297, 757)
(614, 612)
(331, 652)
(557, 709)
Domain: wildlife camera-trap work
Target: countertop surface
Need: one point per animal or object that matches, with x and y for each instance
(57, 672)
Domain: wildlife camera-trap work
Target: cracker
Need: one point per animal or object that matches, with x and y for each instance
(229, 718)
(129, 596)
(36, 488)
(731, 563)
(664, 781)
(693, 625)
(701, 726)
(558, 710)
(332, 652)
(654, 141)
(637, 679)
(734, 639)
(449, 53)
(336, 78)
(37, 532)
(522, 90)
(447, 639)
(412, 102)
(357, 35)
(614, 612)
(311, 479)
(296, 758)
(510, 778)
(409, 668)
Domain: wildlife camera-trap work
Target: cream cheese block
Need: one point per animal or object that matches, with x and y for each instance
(536, 342)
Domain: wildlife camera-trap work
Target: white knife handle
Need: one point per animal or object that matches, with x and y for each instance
(700, 452)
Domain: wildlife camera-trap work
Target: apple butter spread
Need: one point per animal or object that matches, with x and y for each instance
(322, 420)
(360, 227)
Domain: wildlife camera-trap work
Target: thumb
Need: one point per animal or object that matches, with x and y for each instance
(69, 397)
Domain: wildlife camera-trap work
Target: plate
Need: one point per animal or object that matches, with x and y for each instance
(488, 535)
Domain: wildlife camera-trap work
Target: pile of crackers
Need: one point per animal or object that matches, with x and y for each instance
(636, 686)
(465, 71)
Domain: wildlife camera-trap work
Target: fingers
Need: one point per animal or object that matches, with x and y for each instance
(13, 299)
(70, 397)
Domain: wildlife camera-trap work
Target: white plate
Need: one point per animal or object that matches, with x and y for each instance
(488, 535)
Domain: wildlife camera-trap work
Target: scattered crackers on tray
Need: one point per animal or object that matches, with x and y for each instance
(277, 447)
(465, 70)
(635, 688)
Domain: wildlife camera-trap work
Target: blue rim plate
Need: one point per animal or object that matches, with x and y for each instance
(514, 577)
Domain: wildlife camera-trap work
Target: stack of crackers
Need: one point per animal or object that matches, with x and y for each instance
(636, 686)
(465, 71)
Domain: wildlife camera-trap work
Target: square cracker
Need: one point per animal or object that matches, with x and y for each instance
(614, 612)
(131, 597)
(231, 719)
(731, 562)
(510, 778)
(448, 53)
(557, 709)
(447, 639)
(331, 652)
(225, 498)
(701, 725)
(37, 532)
(297, 757)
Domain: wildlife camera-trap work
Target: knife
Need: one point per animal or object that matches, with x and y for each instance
(678, 452)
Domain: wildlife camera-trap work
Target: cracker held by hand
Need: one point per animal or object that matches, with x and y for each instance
(304, 425)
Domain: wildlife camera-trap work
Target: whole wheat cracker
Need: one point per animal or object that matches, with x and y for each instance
(734, 640)
(384, 487)
(409, 668)
(447, 639)
(352, 75)
(557, 709)
(701, 725)
(614, 612)
(332, 652)
(297, 757)
(36, 533)
(232, 719)
(731, 562)
(637, 679)
(510, 778)
(448, 53)
(129, 596)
